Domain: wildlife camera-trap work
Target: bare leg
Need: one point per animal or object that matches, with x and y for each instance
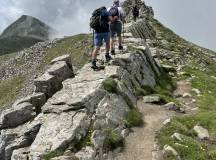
(108, 47)
(112, 41)
(94, 53)
(120, 40)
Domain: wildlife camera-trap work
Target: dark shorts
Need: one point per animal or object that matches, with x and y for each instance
(116, 28)
(99, 38)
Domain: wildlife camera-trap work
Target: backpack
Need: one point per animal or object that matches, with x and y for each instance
(96, 20)
(114, 11)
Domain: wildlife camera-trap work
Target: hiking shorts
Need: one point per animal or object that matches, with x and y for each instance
(99, 38)
(116, 28)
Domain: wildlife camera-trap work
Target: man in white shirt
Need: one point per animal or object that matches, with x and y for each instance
(118, 17)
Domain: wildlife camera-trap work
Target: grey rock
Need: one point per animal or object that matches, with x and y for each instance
(65, 158)
(151, 99)
(125, 133)
(201, 132)
(187, 95)
(171, 106)
(59, 130)
(61, 70)
(66, 58)
(197, 91)
(167, 121)
(113, 109)
(177, 136)
(47, 84)
(16, 115)
(98, 138)
(86, 154)
(169, 151)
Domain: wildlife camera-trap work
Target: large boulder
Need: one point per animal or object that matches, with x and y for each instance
(58, 131)
(17, 115)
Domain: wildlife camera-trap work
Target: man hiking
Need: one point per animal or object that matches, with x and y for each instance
(100, 24)
(135, 12)
(118, 16)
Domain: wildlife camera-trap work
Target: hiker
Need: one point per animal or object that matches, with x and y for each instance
(118, 18)
(99, 22)
(135, 12)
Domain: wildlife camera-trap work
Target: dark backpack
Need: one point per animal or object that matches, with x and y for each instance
(96, 20)
(114, 11)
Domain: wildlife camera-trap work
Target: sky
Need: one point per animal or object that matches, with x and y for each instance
(195, 20)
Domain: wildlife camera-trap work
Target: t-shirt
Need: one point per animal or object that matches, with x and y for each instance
(105, 20)
(121, 13)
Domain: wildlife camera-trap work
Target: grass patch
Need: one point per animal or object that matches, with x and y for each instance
(113, 140)
(53, 154)
(9, 90)
(110, 85)
(77, 46)
(85, 141)
(133, 118)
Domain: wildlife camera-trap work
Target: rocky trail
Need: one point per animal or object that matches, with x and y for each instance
(141, 144)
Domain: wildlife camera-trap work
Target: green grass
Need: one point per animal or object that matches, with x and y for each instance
(110, 85)
(133, 118)
(9, 90)
(77, 46)
(53, 154)
(112, 140)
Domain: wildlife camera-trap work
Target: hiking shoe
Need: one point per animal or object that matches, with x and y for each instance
(120, 47)
(95, 68)
(113, 52)
(108, 57)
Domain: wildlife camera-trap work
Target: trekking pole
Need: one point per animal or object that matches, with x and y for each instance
(93, 40)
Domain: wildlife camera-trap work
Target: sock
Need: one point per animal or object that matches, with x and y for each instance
(94, 62)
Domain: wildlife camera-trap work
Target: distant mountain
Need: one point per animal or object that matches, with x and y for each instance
(23, 33)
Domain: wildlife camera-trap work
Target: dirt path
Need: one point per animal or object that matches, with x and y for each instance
(141, 143)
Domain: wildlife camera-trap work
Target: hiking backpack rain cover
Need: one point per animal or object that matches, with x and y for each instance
(96, 20)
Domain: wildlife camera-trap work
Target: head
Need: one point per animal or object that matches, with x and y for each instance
(116, 3)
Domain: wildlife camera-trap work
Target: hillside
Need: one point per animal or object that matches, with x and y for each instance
(23, 33)
(154, 100)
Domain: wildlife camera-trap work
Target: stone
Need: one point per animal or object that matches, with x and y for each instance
(113, 109)
(60, 130)
(20, 154)
(61, 70)
(168, 150)
(197, 91)
(36, 99)
(98, 138)
(177, 136)
(65, 158)
(167, 121)
(171, 106)
(168, 68)
(86, 154)
(186, 95)
(125, 133)
(66, 58)
(16, 115)
(47, 84)
(202, 133)
(151, 99)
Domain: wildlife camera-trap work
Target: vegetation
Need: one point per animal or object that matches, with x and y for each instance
(9, 90)
(14, 44)
(110, 85)
(200, 68)
(133, 118)
(77, 46)
(113, 140)
(53, 154)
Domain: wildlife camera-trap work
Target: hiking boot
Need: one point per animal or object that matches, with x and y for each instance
(120, 47)
(108, 57)
(94, 66)
(113, 52)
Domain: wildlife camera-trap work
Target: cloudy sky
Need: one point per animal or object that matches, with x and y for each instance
(195, 20)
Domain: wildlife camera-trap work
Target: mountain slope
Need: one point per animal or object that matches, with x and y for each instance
(23, 33)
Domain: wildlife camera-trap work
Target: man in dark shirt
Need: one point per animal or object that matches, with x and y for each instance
(102, 33)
